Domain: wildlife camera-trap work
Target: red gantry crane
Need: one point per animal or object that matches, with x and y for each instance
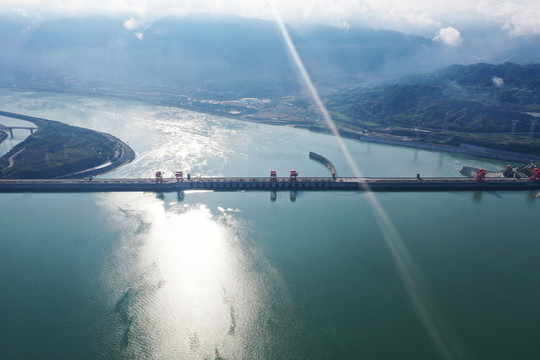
(480, 175)
(294, 175)
(535, 176)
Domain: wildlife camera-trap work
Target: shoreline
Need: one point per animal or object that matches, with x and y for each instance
(126, 156)
(463, 149)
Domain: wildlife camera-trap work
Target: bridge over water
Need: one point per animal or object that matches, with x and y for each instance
(9, 129)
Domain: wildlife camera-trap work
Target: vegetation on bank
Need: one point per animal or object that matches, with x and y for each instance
(475, 98)
(455, 105)
(514, 143)
(57, 150)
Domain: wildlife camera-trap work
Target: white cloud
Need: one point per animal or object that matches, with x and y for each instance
(139, 35)
(497, 81)
(520, 17)
(401, 14)
(132, 23)
(449, 36)
(345, 25)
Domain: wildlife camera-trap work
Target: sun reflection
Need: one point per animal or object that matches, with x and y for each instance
(188, 286)
(187, 140)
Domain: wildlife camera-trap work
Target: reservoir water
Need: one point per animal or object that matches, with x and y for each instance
(238, 276)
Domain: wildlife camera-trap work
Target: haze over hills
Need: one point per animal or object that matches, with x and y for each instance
(222, 57)
(474, 98)
(371, 79)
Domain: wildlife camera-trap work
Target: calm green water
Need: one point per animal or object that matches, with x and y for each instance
(238, 276)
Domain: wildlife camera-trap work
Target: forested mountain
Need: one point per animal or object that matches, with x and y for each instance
(474, 98)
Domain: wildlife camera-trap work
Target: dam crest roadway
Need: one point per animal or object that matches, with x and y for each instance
(160, 184)
(273, 183)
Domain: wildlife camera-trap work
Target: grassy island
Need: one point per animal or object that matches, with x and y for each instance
(58, 150)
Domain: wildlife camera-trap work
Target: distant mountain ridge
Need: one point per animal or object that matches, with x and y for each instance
(211, 56)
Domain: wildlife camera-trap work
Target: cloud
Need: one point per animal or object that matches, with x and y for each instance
(497, 81)
(345, 25)
(132, 23)
(406, 15)
(519, 17)
(449, 36)
(139, 35)
(325, 11)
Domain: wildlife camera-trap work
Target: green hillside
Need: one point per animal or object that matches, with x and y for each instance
(475, 98)
(57, 150)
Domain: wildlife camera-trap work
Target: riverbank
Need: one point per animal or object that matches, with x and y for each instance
(282, 119)
(248, 115)
(463, 149)
(126, 156)
(59, 150)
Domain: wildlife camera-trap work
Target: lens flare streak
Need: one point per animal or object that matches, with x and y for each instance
(446, 344)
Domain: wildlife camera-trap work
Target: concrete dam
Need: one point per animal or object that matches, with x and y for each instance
(268, 184)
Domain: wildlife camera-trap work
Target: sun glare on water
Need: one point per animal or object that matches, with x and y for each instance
(187, 285)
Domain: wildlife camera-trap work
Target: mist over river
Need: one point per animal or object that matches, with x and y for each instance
(235, 275)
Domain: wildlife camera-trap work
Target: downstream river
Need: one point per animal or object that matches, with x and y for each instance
(236, 275)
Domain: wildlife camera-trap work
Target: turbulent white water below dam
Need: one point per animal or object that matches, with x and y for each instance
(243, 275)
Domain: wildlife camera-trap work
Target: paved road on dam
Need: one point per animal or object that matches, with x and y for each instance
(262, 184)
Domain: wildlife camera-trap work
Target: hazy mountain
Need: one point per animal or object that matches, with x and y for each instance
(219, 56)
(477, 98)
